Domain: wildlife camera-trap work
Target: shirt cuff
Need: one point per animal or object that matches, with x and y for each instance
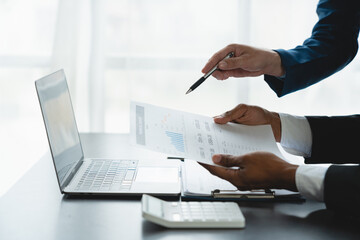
(296, 137)
(310, 181)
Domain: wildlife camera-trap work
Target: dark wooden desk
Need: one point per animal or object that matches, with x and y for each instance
(35, 209)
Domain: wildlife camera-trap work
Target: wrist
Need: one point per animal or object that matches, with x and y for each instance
(288, 178)
(275, 65)
(275, 123)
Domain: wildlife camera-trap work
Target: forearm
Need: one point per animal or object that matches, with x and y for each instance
(332, 45)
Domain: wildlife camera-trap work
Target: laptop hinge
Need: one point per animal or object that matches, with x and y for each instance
(72, 174)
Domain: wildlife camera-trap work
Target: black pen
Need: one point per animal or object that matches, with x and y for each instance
(202, 79)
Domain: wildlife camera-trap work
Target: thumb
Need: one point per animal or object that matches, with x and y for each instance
(231, 115)
(222, 119)
(227, 160)
(224, 173)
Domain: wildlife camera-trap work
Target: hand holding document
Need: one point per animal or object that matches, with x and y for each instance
(194, 136)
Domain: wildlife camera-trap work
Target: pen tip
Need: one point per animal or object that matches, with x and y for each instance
(188, 91)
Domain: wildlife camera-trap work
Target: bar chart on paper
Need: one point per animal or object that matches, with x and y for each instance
(177, 140)
(194, 136)
(159, 130)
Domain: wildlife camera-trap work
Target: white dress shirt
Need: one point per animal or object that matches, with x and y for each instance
(296, 139)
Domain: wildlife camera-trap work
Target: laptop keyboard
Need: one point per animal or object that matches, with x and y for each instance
(108, 175)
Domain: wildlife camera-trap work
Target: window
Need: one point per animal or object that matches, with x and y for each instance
(26, 44)
(114, 51)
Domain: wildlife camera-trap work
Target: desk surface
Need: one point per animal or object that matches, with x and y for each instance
(35, 209)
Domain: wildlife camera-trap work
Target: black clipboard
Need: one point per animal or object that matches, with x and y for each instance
(249, 196)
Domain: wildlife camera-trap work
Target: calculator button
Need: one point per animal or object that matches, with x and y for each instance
(197, 218)
(211, 219)
(176, 217)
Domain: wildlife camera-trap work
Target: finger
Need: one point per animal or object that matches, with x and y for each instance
(227, 174)
(221, 119)
(225, 74)
(220, 75)
(234, 63)
(237, 73)
(227, 160)
(232, 115)
(217, 57)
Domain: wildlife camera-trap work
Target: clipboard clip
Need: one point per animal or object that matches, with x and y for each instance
(179, 158)
(236, 194)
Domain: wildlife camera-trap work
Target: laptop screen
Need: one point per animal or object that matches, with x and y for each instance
(60, 124)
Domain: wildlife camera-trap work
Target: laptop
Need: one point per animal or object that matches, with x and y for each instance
(96, 176)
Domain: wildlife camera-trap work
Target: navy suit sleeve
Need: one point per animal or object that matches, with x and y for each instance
(336, 140)
(332, 45)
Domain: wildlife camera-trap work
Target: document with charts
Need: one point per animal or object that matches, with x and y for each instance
(194, 136)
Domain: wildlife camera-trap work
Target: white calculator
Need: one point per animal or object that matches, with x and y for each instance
(192, 214)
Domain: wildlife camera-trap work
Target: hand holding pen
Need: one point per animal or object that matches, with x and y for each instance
(247, 62)
(202, 79)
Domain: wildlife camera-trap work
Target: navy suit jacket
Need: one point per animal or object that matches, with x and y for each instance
(332, 45)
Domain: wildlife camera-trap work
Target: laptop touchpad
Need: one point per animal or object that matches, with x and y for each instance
(157, 174)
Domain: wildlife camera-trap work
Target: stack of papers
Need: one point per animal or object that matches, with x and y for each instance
(196, 137)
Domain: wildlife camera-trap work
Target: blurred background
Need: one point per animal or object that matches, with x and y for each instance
(114, 51)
